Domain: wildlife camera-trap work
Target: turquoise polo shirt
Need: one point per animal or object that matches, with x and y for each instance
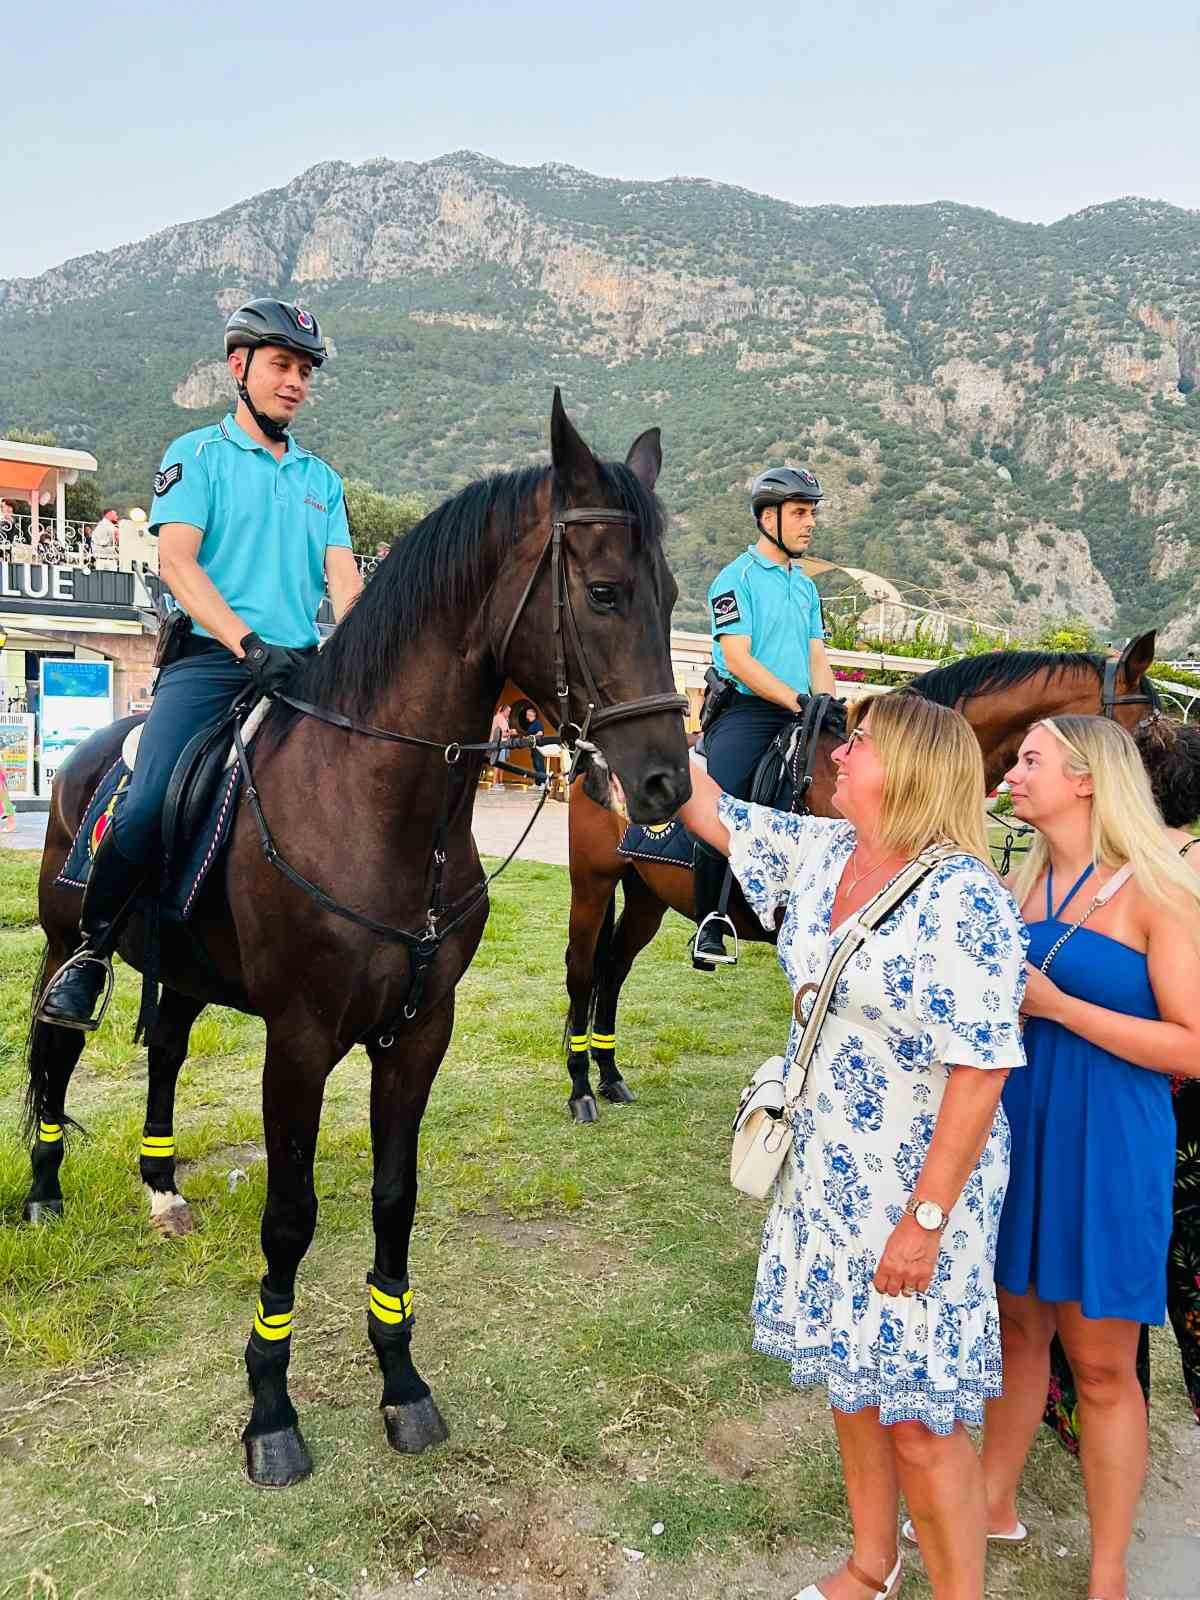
(776, 607)
(266, 525)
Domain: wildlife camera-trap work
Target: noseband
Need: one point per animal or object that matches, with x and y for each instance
(573, 734)
(1110, 699)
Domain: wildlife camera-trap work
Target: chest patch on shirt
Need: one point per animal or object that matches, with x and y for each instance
(168, 479)
(725, 608)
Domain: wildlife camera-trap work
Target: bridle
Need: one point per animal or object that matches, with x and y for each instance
(573, 734)
(424, 946)
(1110, 699)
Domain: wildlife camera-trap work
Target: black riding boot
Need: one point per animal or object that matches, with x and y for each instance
(74, 992)
(708, 946)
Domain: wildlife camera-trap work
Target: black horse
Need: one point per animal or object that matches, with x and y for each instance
(553, 575)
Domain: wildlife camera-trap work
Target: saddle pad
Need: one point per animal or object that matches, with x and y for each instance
(668, 843)
(194, 864)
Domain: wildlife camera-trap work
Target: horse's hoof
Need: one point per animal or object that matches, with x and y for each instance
(619, 1092)
(277, 1460)
(170, 1215)
(413, 1428)
(39, 1212)
(583, 1109)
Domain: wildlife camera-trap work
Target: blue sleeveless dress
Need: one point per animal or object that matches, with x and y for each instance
(1087, 1216)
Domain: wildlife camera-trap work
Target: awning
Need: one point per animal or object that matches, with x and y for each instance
(23, 478)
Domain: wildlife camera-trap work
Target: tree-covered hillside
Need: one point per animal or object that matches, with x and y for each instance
(1006, 415)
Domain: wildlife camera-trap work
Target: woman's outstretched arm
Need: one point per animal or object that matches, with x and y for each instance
(699, 815)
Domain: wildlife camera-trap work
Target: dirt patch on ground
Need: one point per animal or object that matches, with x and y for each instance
(535, 1550)
(583, 1255)
(736, 1450)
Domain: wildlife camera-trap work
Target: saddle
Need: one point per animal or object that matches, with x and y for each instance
(197, 814)
(784, 775)
(198, 772)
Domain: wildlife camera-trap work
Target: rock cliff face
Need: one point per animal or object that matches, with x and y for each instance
(1006, 416)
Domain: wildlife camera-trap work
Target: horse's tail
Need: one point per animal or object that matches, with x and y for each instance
(39, 1056)
(604, 941)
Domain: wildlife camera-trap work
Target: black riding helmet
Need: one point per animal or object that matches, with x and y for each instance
(777, 485)
(271, 322)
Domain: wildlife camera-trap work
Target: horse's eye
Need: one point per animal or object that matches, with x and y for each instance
(603, 594)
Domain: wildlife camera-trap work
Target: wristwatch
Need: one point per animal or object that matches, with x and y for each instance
(928, 1214)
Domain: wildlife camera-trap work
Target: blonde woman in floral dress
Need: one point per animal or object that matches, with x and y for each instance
(875, 1275)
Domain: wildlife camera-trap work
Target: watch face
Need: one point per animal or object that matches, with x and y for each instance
(929, 1214)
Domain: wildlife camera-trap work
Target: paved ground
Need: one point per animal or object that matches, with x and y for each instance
(499, 819)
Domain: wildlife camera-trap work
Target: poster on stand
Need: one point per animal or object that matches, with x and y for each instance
(16, 752)
(75, 701)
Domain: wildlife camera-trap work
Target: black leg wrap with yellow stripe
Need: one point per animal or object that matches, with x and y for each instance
(156, 1157)
(276, 1454)
(45, 1202)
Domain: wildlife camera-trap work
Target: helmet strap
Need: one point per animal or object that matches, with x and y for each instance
(273, 430)
(773, 538)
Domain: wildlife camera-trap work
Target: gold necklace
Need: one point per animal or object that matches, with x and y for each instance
(857, 877)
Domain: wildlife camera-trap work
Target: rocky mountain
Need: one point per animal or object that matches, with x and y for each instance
(1006, 414)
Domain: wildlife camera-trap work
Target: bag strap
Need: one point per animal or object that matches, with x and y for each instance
(1102, 896)
(868, 918)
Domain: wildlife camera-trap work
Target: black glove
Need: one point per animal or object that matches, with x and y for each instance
(271, 666)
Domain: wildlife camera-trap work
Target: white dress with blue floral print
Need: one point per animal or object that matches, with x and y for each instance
(937, 985)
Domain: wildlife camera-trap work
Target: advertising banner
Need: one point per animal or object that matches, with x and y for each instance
(76, 700)
(16, 752)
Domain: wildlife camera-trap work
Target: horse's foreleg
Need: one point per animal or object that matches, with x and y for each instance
(51, 1057)
(593, 909)
(641, 919)
(401, 1078)
(170, 1213)
(293, 1091)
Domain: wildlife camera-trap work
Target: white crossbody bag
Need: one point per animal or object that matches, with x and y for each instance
(762, 1128)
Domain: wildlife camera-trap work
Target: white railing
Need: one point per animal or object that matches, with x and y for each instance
(73, 549)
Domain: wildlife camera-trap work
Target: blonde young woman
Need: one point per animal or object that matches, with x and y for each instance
(875, 1276)
(1084, 1235)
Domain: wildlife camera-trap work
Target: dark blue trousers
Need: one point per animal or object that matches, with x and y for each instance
(734, 745)
(739, 740)
(193, 693)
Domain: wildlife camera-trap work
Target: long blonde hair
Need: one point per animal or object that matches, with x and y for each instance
(933, 787)
(1126, 824)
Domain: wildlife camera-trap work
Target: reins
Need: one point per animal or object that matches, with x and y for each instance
(424, 946)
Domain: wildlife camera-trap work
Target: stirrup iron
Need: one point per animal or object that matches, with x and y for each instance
(728, 931)
(79, 959)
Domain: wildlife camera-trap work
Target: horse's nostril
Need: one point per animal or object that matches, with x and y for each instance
(665, 787)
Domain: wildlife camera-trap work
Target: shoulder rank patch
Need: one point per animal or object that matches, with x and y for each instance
(168, 479)
(725, 608)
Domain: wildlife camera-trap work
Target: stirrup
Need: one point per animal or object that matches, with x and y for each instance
(728, 931)
(79, 959)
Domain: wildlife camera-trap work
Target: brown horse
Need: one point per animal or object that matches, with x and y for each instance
(999, 693)
(555, 574)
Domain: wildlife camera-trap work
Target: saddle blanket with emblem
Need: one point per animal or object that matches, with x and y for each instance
(192, 865)
(668, 843)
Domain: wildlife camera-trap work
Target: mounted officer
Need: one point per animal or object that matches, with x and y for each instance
(251, 528)
(769, 656)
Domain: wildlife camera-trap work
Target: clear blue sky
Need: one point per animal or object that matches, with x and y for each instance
(118, 119)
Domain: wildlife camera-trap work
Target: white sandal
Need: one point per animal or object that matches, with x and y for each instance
(884, 1590)
(1017, 1535)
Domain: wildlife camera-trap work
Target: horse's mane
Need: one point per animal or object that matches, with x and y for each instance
(998, 669)
(440, 567)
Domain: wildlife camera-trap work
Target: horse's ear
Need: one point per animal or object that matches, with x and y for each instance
(575, 468)
(1138, 657)
(645, 457)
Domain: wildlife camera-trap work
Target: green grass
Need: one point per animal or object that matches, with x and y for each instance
(581, 1299)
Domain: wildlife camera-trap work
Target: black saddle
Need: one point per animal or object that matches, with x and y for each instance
(784, 774)
(195, 778)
